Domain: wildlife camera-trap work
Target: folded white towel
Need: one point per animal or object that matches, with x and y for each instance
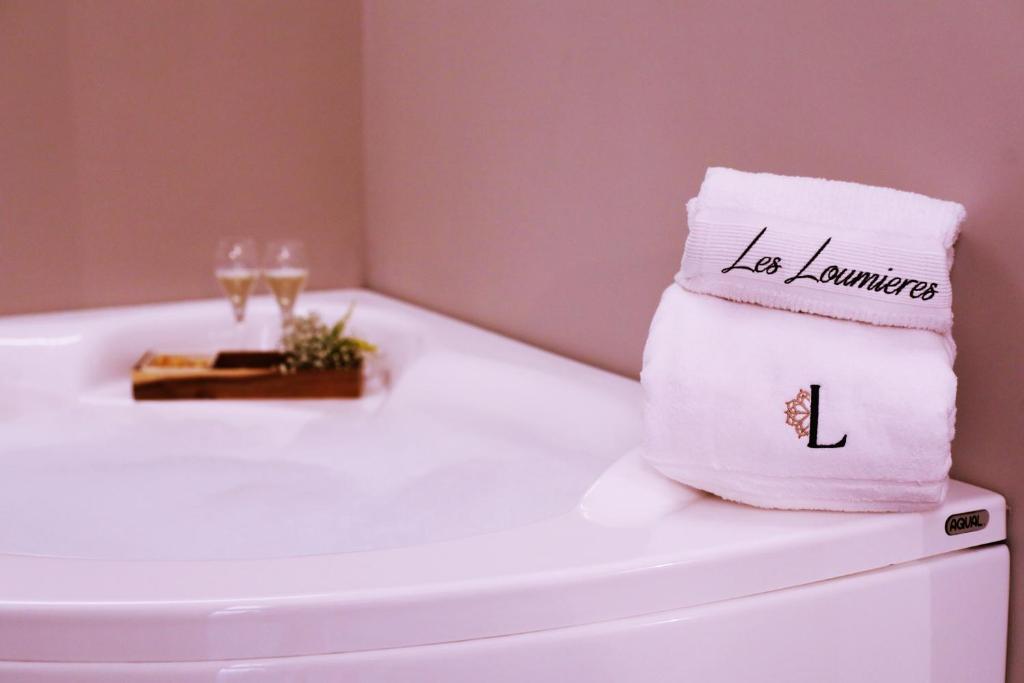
(718, 376)
(783, 409)
(823, 246)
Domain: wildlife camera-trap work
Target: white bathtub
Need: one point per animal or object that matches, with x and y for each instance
(478, 516)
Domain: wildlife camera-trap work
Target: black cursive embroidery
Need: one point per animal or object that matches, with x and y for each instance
(800, 275)
(766, 264)
(833, 274)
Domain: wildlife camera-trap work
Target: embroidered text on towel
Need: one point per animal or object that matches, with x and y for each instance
(893, 285)
(841, 271)
(802, 415)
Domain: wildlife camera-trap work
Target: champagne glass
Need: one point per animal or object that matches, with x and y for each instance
(236, 266)
(284, 266)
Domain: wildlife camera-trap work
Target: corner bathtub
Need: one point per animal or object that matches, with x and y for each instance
(476, 516)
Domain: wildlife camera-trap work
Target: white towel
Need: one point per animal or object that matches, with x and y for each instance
(846, 250)
(729, 386)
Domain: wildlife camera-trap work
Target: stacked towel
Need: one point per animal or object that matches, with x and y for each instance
(803, 358)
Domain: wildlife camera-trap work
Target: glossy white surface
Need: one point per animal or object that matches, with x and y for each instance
(175, 585)
(464, 439)
(939, 620)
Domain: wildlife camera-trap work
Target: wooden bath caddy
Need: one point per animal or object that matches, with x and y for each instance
(234, 375)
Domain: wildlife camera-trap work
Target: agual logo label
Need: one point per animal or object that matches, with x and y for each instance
(965, 522)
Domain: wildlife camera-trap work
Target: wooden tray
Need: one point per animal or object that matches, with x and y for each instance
(235, 375)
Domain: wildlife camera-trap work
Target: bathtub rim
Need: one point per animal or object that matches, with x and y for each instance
(573, 569)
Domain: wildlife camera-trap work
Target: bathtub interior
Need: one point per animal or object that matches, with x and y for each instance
(461, 433)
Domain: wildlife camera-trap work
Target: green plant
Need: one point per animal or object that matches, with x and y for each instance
(309, 344)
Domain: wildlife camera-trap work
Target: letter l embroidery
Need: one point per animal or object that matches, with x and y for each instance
(813, 440)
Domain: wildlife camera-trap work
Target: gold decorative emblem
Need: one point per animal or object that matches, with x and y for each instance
(798, 412)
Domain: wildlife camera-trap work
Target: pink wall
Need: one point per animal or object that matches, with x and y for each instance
(135, 133)
(527, 163)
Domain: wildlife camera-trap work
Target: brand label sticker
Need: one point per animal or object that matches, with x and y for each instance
(966, 522)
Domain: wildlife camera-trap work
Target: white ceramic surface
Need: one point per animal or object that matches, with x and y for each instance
(938, 620)
(463, 437)
(461, 500)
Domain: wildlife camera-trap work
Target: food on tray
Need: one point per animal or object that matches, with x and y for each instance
(170, 361)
